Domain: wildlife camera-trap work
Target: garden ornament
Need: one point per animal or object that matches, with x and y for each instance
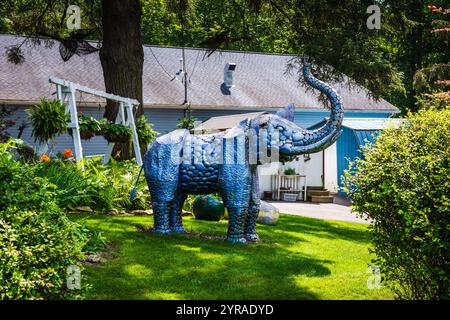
(180, 163)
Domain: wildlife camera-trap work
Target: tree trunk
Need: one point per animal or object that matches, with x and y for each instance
(122, 57)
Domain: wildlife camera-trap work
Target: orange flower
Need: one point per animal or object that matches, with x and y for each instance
(68, 153)
(45, 158)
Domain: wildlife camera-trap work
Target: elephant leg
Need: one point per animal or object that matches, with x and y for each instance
(236, 224)
(161, 217)
(250, 223)
(235, 186)
(176, 221)
(253, 210)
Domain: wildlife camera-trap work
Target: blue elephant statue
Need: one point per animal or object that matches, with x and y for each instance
(180, 163)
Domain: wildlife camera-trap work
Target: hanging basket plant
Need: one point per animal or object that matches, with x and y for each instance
(89, 127)
(114, 132)
(48, 119)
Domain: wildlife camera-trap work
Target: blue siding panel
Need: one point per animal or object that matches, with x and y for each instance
(163, 120)
(349, 147)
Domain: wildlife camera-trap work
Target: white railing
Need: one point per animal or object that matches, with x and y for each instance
(294, 184)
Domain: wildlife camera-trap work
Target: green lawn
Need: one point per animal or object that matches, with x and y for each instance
(300, 258)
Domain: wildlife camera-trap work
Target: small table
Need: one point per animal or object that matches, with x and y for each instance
(282, 183)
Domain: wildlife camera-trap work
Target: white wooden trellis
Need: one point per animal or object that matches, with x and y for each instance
(65, 91)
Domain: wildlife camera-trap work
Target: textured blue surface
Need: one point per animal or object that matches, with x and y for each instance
(181, 163)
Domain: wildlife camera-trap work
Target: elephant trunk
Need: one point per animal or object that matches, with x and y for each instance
(310, 141)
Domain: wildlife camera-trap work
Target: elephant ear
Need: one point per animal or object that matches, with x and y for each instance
(287, 112)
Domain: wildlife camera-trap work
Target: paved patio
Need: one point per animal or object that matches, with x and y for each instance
(339, 210)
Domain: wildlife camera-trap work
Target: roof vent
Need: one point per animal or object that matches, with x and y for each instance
(228, 74)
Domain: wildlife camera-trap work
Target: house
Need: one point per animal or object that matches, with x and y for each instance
(225, 83)
(356, 133)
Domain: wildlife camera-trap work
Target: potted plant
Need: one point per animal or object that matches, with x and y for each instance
(114, 132)
(48, 119)
(290, 172)
(145, 132)
(89, 127)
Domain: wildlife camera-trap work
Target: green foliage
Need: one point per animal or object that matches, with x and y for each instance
(89, 127)
(289, 171)
(76, 188)
(48, 119)
(188, 122)
(101, 187)
(403, 185)
(189, 203)
(38, 242)
(120, 176)
(35, 251)
(145, 131)
(116, 132)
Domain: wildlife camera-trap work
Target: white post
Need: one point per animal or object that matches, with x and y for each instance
(137, 148)
(59, 93)
(122, 118)
(306, 186)
(74, 124)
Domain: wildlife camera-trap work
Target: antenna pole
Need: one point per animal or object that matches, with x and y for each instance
(185, 78)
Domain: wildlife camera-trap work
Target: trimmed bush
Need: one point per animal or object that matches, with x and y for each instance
(37, 241)
(403, 185)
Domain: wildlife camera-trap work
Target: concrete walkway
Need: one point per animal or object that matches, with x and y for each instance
(340, 210)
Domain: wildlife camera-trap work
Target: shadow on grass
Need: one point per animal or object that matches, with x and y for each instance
(323, 228)
(150, 266)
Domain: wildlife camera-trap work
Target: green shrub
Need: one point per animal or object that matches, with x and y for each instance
(37, 241)
(48, 119)
(145, 131)
(121, 176)
(76, 188)
(403, 185)
(36, 248)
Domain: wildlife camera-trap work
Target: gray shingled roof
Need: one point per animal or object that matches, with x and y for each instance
(261, 81)
(226, 122)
